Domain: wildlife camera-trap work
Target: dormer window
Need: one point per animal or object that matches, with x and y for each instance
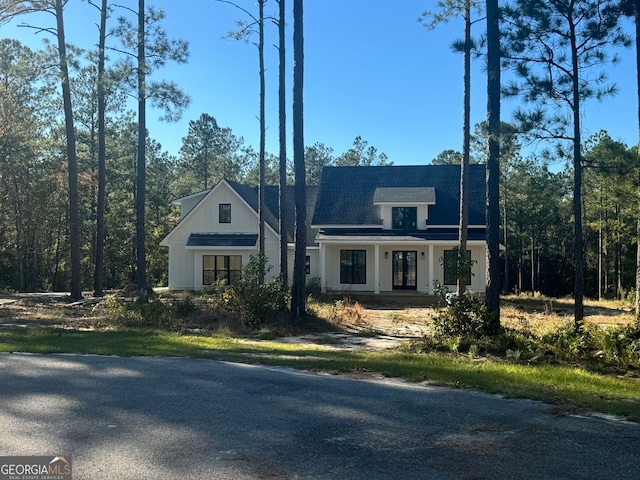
(404, 208)
(404, 218)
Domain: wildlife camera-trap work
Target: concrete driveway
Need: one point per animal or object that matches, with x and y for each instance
(156, 418)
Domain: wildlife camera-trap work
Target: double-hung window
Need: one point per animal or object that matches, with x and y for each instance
(353, 266)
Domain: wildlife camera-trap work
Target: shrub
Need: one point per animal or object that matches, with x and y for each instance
(132, 314)
(463, 316)
(252, 301)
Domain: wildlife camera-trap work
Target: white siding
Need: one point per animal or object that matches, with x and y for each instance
(180, 268)
(478, 271)
(185, 264)
(314, 255)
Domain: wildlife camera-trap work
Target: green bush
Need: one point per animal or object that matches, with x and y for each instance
(132, 314)
(616, 346)
(463, 316)
(252, 301)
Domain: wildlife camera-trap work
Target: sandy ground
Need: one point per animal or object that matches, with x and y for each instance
(358, 326)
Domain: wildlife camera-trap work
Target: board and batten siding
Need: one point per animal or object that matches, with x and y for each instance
(185, 264)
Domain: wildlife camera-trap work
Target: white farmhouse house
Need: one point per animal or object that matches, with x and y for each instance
(370, 230)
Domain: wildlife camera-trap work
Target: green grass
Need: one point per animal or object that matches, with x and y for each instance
(572, 388)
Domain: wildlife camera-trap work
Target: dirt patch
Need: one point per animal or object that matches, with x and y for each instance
(48, 309)
(352, 325)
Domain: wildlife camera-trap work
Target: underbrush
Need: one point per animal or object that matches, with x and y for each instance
(462, 326)
(246, 307)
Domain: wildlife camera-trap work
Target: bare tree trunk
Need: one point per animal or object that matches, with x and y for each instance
(533, 265)
(141, 257)
(98, 278)
(492, 292)
(297, 292)
(600, 252)
(506, 287)
(284, 267)
(637, 25)
(464, 166)
(74, 212)
(577, 187)
(261, 188)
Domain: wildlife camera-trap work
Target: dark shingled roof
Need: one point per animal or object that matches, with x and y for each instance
(346, 194)
(272, 201)
(222, 240)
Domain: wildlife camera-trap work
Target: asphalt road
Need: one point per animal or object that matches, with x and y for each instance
(165, 418)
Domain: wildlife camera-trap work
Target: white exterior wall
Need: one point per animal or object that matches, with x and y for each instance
(429, 266)
(180, 267)
(185, 264)
(313, 253)
(478, 271)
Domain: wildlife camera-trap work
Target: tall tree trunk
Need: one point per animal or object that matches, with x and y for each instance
(619, 268)
(506, 287)
(637, 25)
(261, 204)
(466, 141)
(600, 256)
(297, 292)
(98, 278)
(141, 257)
(533, 265)
(282, 117)
(492, 292)
(74, 211)
(577, 186)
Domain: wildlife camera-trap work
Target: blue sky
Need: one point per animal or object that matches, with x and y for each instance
(371, 69)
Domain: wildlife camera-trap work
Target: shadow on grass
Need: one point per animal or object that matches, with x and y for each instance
(554, 384)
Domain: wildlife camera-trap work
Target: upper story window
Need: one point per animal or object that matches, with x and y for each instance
(224, 213)
(404, 218)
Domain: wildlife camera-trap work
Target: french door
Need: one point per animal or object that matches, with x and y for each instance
(405, 267)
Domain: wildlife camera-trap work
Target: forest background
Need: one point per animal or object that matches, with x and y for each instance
(34, 224)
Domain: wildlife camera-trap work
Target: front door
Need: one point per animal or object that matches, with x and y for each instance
(405, 265)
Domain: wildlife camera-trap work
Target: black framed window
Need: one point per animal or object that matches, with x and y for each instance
(404, 218)
(224, 213)
(221, 268)
(353, 266)
(307, 265)
(450, 268)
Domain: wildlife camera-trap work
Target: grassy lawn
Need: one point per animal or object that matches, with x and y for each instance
(572, 389)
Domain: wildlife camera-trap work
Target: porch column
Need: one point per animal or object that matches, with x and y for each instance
(323, 269)
(430, 279)
(376, 269)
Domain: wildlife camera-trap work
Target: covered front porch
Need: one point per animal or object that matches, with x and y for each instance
(404, 266)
